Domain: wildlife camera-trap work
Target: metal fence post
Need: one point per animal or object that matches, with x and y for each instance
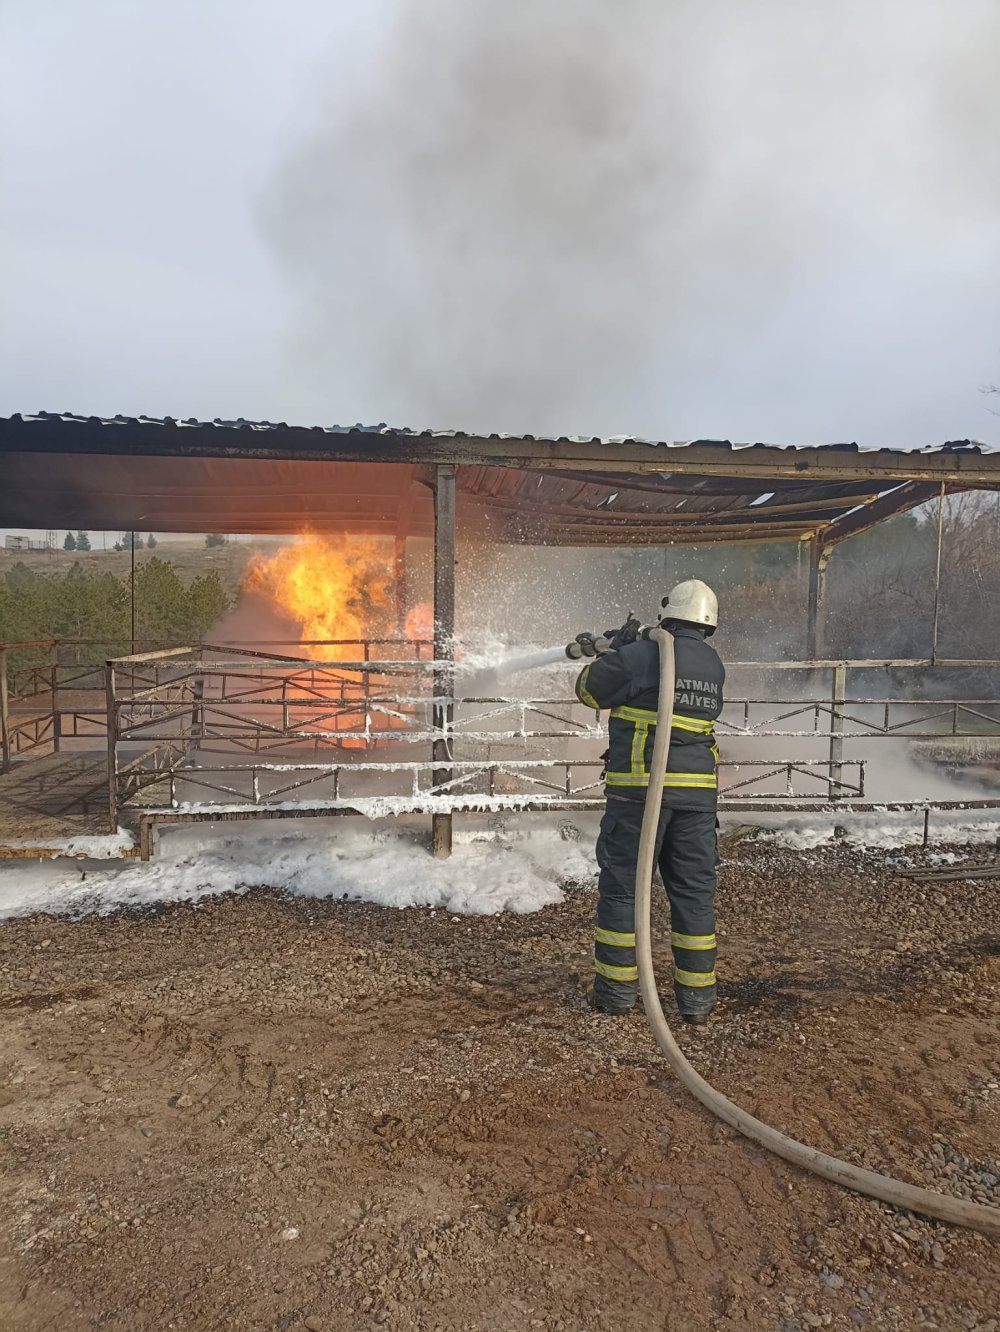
(4, 715)
(109, 688)
(56, 717)
(444, 643)
(837, 731)
(197, 717)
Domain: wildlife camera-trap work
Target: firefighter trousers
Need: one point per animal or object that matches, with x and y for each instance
(686, 855)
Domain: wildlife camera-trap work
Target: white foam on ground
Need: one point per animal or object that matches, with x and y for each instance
(874, 830)
(517, 867)
(92, 846)
(391, 867)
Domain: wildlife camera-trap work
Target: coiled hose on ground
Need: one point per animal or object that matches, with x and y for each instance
(888, 1190)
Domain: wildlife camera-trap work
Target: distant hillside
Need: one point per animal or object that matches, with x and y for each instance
(191, 559)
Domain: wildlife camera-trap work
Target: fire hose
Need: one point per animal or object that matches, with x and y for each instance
(883, 1187)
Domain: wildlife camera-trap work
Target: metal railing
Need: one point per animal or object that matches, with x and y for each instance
(355, 724)
(259, 730)
(26, 723)
(267, 784)
(37, 678)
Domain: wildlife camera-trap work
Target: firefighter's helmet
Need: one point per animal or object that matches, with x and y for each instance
(694, 602)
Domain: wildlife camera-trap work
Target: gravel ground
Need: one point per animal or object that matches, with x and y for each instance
(267, 1113)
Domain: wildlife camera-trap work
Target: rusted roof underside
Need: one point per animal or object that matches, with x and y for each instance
(121, 473)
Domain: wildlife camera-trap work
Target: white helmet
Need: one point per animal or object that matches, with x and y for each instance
(692, 601)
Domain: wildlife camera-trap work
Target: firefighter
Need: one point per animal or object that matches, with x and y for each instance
(623, 677)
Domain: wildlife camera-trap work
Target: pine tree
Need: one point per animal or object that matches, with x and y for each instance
(70, 542)
(151, 542)
(82, 541)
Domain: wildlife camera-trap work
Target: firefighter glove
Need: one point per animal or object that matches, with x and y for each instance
(628, 633)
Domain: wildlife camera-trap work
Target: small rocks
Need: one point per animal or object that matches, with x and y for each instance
(979, 1182)
(341, 1095)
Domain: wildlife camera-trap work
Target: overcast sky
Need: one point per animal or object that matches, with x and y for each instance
(773, 221)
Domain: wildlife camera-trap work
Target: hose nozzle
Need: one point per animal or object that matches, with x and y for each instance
(587, 645)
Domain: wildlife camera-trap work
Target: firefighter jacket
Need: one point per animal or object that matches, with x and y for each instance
(627, 684)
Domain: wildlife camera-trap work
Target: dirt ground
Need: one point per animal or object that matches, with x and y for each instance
(273, 1113)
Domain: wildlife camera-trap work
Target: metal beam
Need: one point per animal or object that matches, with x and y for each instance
(664, 535)
(807, 512)
(686, 483)
(899, 500)
(444, 641)
(657, 522)
(706, 458)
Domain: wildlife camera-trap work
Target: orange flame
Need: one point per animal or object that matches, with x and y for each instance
(338, 590)
(334, 587)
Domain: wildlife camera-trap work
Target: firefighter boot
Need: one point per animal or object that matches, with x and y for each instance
(602, 1003)
(695, 1008)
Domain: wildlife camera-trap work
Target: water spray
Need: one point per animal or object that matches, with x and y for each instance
(529, 661)
(525, 661)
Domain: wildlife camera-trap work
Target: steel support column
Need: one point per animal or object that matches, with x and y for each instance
(819, 556)
(937, 574)
(4, 715)
(131, 593)
(444, 640)
(112, 714)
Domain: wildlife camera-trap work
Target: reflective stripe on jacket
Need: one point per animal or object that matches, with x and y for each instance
(627, 684)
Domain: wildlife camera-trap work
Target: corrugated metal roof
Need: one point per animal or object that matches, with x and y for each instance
(67, 470)
(241, 423)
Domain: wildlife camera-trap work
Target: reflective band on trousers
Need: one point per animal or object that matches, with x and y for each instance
(616, 973)
(696, 942)
(704, 781)
(615, 938)
(696, 979)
